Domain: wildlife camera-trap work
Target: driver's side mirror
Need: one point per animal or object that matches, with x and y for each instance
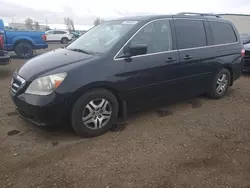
(135, 49)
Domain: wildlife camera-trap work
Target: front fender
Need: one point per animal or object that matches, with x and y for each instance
(72, 96)
(105, 85)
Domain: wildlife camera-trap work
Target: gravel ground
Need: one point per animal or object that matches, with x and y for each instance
(195, 143)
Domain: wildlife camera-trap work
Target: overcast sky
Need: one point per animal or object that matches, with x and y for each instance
(85, 11)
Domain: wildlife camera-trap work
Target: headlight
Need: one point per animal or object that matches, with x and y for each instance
(46, 85)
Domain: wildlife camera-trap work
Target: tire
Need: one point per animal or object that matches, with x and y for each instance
(214, 93)
(64, 40)
(24, 50)
(81, 113)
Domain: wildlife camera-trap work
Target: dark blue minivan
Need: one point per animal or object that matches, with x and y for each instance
(91, 81)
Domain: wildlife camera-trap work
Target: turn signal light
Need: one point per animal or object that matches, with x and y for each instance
(243, 52)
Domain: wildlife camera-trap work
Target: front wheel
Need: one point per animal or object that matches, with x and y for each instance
(94, 113)
(220, 84)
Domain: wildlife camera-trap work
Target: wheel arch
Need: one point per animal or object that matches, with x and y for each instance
(230, 69)
(22, 41)
(64, 37)
(116, 92)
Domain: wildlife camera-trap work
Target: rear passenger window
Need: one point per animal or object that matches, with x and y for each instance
(222, 33)
(190, 33)
(59, 32)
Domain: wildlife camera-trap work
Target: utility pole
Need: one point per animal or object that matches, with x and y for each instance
(12, 22)
(46, 27)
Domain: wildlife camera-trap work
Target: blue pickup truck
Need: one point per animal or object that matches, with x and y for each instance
(23, 43)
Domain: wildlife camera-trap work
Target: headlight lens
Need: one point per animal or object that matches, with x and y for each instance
(46, 85)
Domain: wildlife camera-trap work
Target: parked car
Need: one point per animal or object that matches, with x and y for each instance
(23, 43)
(246, 67)
(58, 36)
(75, 34)
(4, 57)
(92, 80)
(245, 38)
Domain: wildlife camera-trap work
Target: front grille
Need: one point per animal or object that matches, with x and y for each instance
(247, 53)
(247, 58)
(16, 82)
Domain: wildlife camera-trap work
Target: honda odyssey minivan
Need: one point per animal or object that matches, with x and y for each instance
(91, 81)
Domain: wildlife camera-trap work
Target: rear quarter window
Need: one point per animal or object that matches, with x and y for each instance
(59, 32)
(223, 33)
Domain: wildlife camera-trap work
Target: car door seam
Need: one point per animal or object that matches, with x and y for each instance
(177, 79)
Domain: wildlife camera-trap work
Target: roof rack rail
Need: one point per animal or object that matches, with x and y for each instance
(199, 14)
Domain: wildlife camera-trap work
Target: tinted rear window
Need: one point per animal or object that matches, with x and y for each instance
(190, 33)
(59, 32)
(222, 33)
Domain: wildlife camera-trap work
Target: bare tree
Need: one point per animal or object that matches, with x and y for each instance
(69, 23)
(98, 21)
(29, 23)
(37, 25)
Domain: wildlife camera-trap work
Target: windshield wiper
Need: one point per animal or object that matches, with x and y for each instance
(79, 50)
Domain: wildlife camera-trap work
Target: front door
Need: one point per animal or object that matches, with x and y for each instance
(155, 73)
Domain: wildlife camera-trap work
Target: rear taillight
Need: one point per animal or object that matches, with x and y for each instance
(243, 52)
(1, 42)
(44, 37)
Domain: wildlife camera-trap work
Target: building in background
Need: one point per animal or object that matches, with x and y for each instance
(22, 26)
(241, 21)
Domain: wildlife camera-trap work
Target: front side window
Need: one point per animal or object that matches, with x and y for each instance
(103, 37)
(223, 33)
(155, 35)
(190, 33)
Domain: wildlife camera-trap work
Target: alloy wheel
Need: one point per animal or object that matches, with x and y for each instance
(221, 84)
(97, 113)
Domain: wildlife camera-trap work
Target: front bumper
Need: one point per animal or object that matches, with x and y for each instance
(4, 58)
(246, 65)
(40, 110)
(247, 61)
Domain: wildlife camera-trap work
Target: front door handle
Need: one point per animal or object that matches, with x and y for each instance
(170, 60)
(188, 57)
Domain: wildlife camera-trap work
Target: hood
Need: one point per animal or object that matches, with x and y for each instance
(49, 61)
(247, 47)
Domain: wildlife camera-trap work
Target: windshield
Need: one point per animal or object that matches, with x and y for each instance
(102, 38)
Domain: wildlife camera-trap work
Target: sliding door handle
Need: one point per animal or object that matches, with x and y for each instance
(188, 57)
(170, 60)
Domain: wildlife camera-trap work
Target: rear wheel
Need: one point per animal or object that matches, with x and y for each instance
(94, 113)
(24, 50)
(220, 84)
